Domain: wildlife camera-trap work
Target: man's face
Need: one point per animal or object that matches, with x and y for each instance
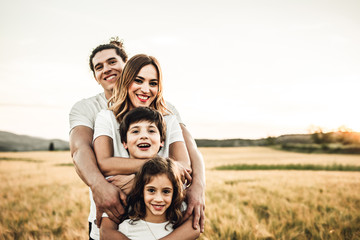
(143, 140)
(107, 69)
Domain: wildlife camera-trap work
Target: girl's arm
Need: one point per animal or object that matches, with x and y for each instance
(109, 230)
(109, 165)
(184, 232)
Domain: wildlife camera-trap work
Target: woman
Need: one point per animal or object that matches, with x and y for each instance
(140, 84)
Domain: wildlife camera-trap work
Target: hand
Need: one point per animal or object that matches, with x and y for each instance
(124, 182)
(196, 205)
(184, 173)
(109, 199)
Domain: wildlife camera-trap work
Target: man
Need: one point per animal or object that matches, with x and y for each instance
(107, 62)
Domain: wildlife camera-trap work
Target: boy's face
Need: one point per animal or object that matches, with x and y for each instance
(143, 140)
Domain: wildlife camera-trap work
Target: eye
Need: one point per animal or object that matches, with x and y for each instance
(139, 81)
(113, 62)
(167, 191)
(135, 131)
(153, 84)
(98, 68)
(151, 190)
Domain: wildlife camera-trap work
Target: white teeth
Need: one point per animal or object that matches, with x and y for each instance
(142, 97)
(144, 145)
(111, 77)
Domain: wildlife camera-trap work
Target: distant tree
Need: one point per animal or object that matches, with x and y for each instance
(51, 146)
(270, 141)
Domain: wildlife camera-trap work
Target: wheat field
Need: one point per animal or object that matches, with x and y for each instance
(41, 197)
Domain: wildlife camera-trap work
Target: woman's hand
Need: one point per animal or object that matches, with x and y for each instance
(184, 173)
(124, 182)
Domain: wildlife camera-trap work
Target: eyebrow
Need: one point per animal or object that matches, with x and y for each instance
(109, 59)
(134, 127)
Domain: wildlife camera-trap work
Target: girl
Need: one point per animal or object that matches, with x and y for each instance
(154, 204)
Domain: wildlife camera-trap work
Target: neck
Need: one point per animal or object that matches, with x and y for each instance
(155, 219)
(108, 94)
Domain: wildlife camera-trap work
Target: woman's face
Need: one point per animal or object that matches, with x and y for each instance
(143, 90)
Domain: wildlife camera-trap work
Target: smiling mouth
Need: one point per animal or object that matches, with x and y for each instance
(158, 207)
(109, 78)
(144, 146)
(143, 98)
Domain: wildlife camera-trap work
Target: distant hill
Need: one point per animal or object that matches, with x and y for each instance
(238, 142)
(12, 142)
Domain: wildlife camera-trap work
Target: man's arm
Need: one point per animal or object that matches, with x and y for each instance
(196, 192)
(184, 232)
(107, 197)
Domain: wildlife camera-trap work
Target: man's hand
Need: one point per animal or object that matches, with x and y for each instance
(196, 204)
(109, 199)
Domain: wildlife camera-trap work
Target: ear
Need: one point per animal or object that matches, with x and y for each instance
(125, 145)
(162, 144)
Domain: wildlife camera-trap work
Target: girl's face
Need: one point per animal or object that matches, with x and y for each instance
(143, 90)
(157, 197)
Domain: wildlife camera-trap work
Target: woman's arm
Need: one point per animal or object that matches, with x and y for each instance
(109, 230)
(177, 152)
(109, 165)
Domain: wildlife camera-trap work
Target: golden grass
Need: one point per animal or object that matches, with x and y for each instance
(42, 200)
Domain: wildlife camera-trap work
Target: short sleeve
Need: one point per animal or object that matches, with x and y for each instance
(81, 115)
(174, 132)
(175, 112)
(103, 125)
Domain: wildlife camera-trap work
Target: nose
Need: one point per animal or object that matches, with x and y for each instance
(158, 197)
(106, 68)
(144, 136)
(145, 88)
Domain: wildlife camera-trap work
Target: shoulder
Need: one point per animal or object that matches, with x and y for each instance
(170, 119)
(98, 101)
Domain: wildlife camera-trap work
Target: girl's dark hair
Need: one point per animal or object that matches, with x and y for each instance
(115, 44)
(136, 208)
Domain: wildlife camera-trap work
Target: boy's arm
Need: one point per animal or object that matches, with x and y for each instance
(196, 192)
(106, 196)
(109, 165)
(109, 230)
(184, 232)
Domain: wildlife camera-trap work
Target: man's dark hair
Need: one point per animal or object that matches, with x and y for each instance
(115, 44)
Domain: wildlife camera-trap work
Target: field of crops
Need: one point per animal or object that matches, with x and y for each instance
(41, 197)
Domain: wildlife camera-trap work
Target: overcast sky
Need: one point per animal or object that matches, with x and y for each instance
(233, 69)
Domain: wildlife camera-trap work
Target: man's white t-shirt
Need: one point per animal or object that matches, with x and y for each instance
(140, 230)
